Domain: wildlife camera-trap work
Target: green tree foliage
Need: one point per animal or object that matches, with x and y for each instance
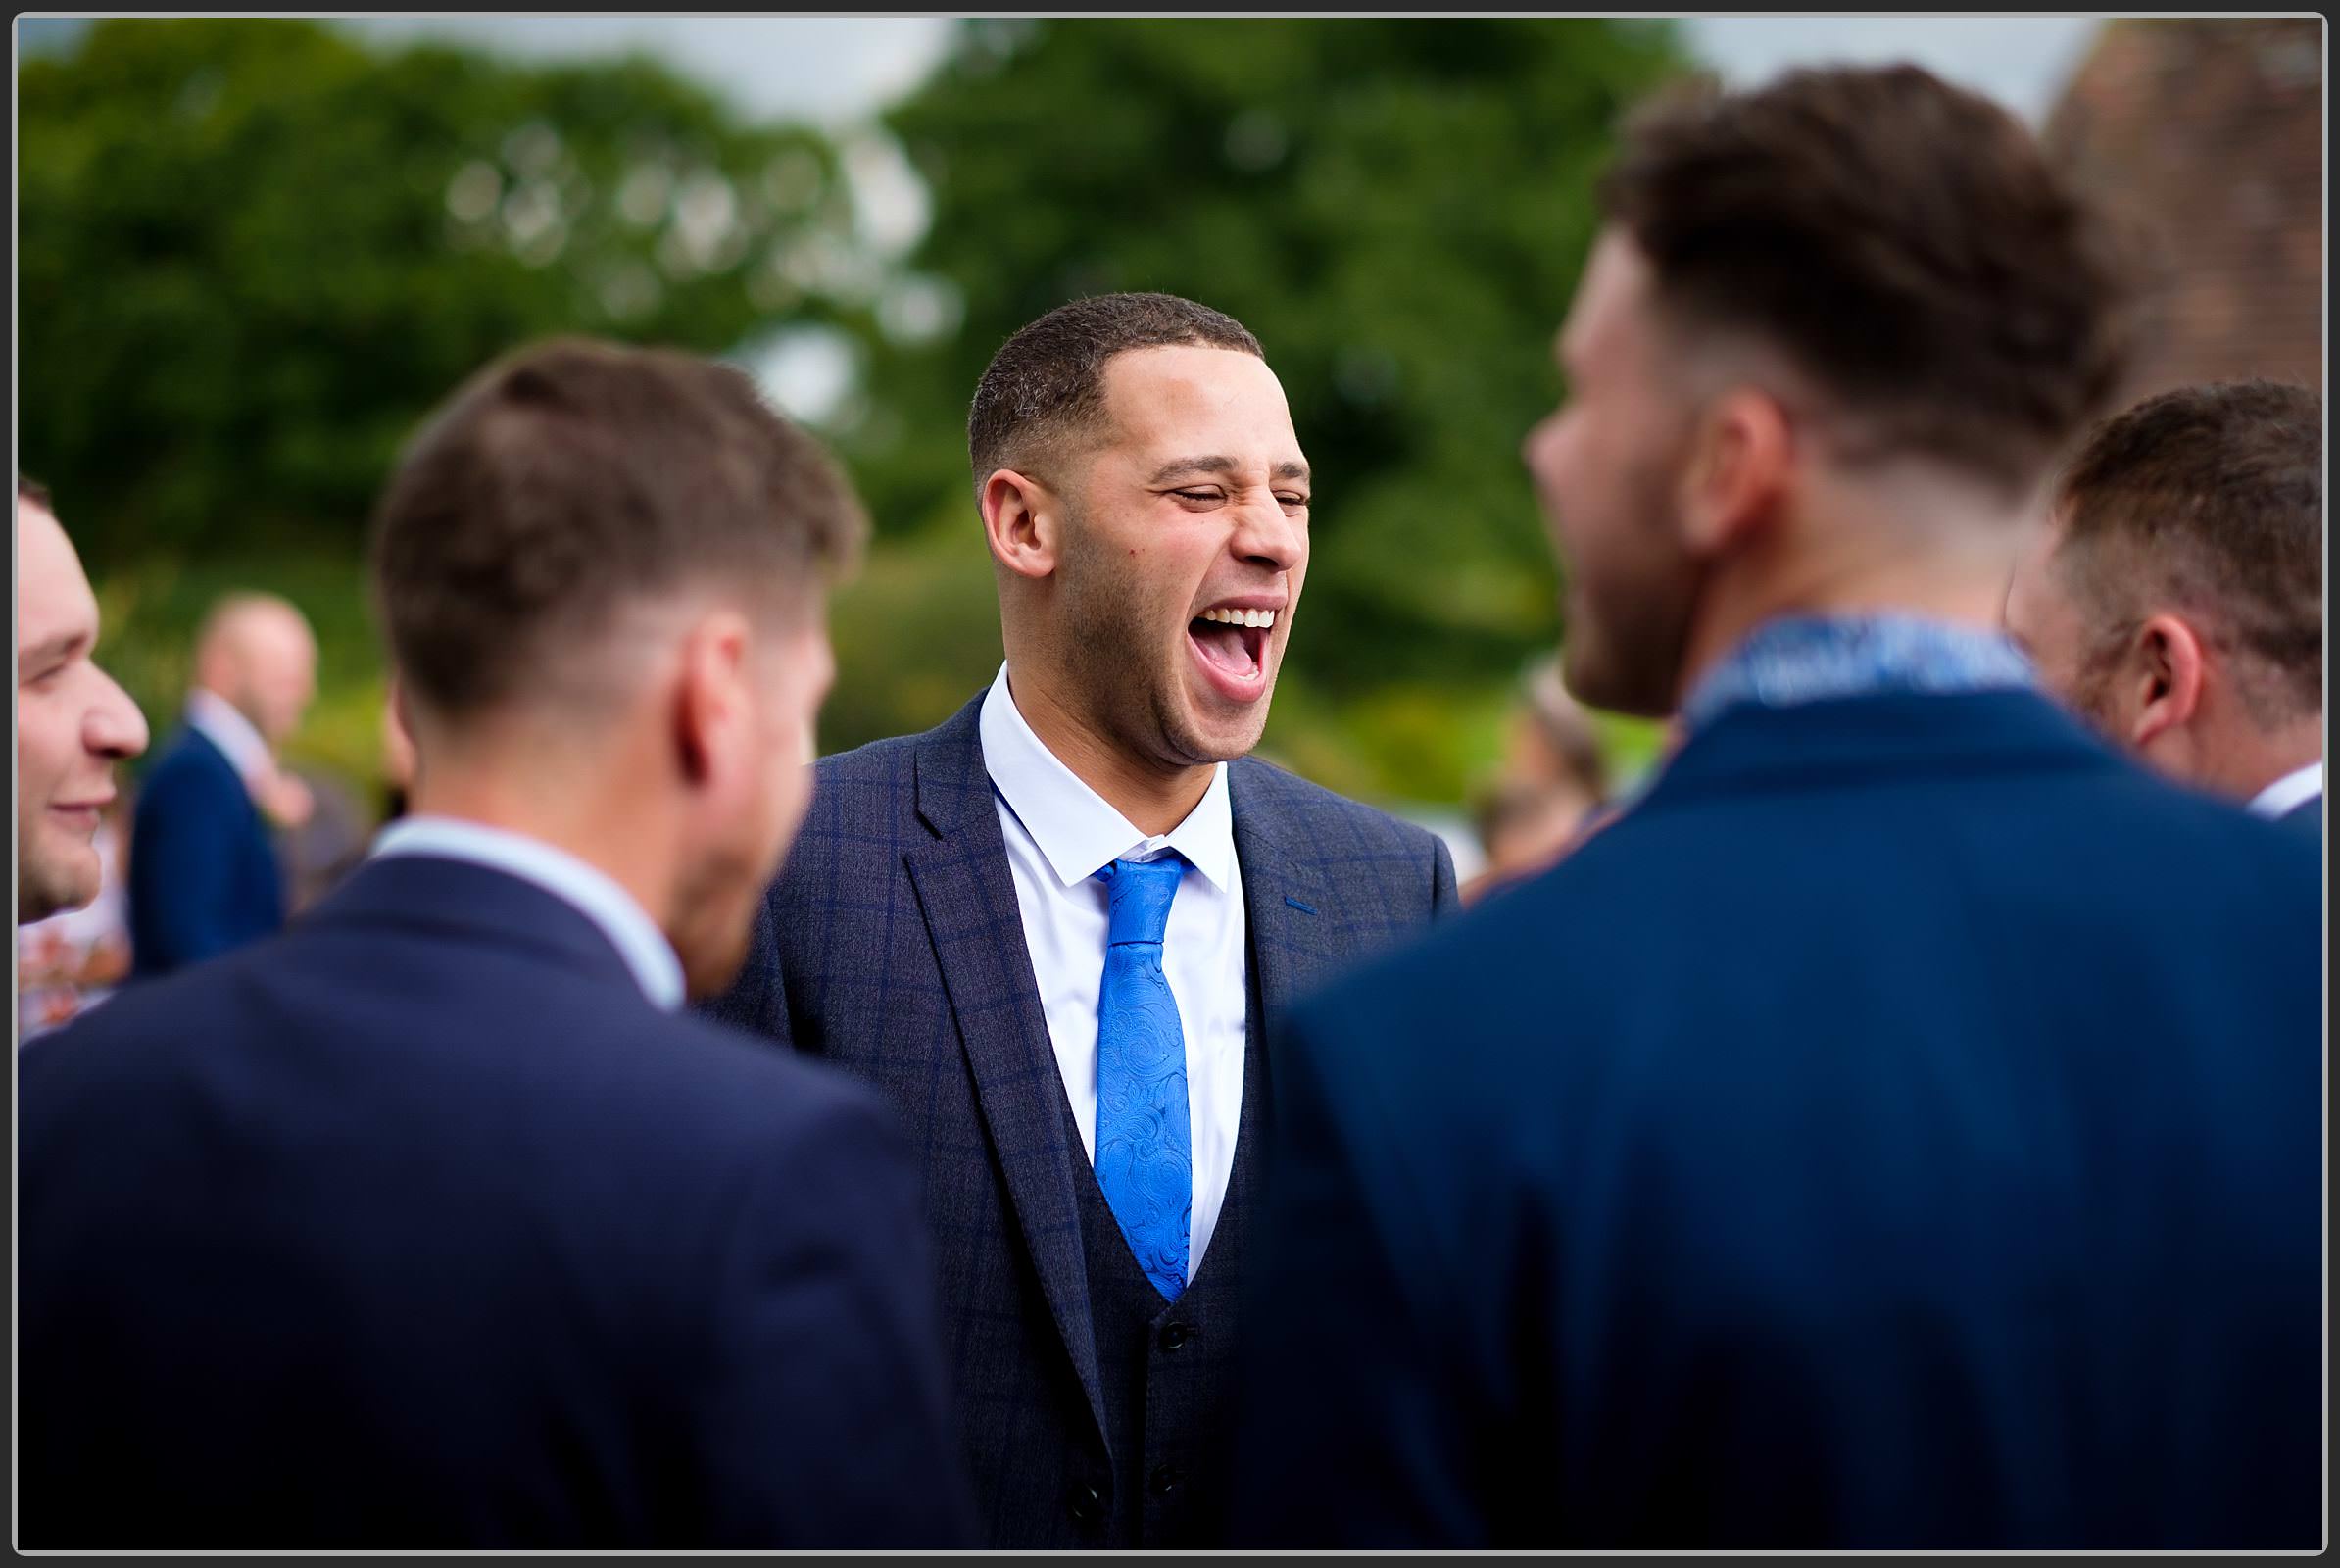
(1397, 208)
(254, 253)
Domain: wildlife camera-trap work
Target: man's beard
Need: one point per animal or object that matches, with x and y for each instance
(1117, 679)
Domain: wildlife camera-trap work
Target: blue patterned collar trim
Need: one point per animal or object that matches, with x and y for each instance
(1810, 659)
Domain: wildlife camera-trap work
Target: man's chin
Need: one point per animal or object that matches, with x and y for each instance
(65, 877)
(1217, 730)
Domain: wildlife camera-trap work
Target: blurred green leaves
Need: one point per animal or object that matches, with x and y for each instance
(254, 253)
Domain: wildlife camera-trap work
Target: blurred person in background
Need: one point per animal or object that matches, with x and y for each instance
(2176, 596)
(433, 1221)
(1552, 780)
(1058, 929)
(206, 874)
(1902, 1127)
(326, 844)
(74, 723)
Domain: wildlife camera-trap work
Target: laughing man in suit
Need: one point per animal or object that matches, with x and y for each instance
(1056, 929)
(2176, 596)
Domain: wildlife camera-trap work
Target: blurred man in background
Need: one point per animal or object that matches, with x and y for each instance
(1902, 1126)
(2175, 597)
(74, 723)
(1553, 778)
(1058, 929)
(206, 876)
(432, 1222)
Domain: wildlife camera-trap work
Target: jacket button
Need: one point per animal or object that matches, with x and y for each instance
(1087, 1504)
(1164, 1480)
(1174, 1335)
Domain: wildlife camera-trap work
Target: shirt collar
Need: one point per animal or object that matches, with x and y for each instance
(2298, 785)
(1808, 658)
(593, 892)
(219, 721)
(1078, 831)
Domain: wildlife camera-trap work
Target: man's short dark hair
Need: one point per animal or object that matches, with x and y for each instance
(1045, 390)
(33, 491)
(1905, 243)
(2208, 499)
(574, 479)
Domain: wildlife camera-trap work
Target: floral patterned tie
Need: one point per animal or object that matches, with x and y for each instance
(1144, 1159)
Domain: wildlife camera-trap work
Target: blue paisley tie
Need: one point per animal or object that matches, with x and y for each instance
(1145, 1160)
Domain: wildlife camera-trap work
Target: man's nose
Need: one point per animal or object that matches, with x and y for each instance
(114, 726)
(1271, 538)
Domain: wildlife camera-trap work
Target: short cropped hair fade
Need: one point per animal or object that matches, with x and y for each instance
(1907, 244)
(575, 479)
(1043, 393)
(2208, 499)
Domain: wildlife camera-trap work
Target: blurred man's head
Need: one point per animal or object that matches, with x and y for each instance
(602, 572)
(72, 722)
(1824, 324)
(2176, 595)
(256, 653)
(1146, 505)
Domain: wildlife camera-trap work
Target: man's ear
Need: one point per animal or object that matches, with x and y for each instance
(1742, 451)
(710, 700)
(1023, 521)
(2166, 667)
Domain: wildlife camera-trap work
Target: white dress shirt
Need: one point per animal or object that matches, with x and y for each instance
(1060, 833)
(217, 720)
(589, 891)
(2300, 784)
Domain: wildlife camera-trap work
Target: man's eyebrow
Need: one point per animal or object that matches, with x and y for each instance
(1225, 466)
(61, 646)
(1178, 465)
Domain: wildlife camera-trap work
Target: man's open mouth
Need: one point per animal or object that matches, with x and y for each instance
(1232, 646)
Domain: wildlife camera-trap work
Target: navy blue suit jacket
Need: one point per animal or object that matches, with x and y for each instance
(419, 1226)
(202, 876)
(1901, 1129)
(893, 945)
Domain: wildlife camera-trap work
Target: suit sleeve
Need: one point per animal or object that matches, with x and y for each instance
(182, 870)
(758, 998)
(824, 1414)
(1353, 1431)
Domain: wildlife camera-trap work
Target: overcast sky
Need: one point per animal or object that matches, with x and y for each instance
(834, 68)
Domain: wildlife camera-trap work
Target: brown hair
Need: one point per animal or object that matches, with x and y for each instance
(1047, 384)
(1905, 242)
(575, 479)
(2211, 498)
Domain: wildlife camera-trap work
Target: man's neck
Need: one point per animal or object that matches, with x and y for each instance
(1154, 798)
(621, 845)
(2251, 761)
(1950, 566)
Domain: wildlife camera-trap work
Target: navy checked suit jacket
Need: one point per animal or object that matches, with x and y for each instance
(893, 945)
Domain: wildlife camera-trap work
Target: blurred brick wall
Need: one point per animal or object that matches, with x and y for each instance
(2211, 131)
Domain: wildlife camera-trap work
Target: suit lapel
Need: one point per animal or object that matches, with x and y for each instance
(1286, 907)
(969, 900)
